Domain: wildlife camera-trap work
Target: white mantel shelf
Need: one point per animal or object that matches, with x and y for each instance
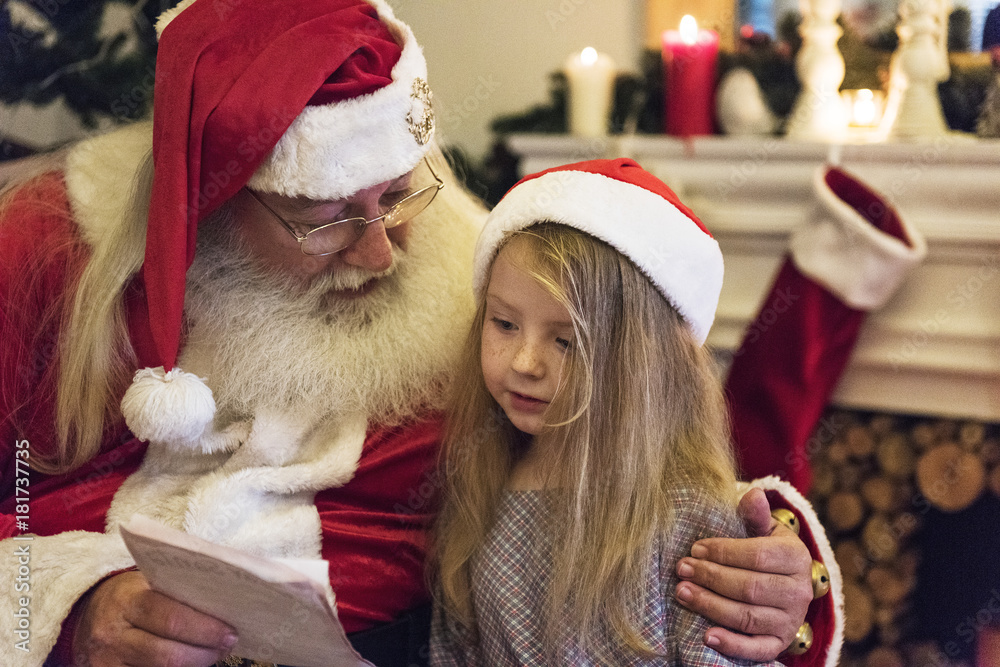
(934, 349)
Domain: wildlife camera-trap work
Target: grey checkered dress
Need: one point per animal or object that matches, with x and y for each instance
(510, 578)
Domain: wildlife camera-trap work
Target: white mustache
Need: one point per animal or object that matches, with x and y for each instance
(352, 277)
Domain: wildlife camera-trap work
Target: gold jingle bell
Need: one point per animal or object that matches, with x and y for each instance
(786, 518)
(820, 579)
(803, 640)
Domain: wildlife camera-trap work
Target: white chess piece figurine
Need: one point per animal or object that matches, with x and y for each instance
(819, 114)
(921, 62)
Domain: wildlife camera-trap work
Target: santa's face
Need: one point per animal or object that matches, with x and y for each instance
(267, 328)
(358, 267)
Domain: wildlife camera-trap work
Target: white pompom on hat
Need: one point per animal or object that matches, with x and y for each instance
(625, 206)
(318, 99)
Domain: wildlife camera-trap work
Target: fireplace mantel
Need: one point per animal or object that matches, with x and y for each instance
(934, 349)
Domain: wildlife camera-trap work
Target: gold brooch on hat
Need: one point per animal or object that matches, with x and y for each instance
(421, 128)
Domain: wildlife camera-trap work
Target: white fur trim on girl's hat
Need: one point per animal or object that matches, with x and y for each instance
(631, 210)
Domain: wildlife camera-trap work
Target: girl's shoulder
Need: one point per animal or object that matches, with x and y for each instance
(698, 514)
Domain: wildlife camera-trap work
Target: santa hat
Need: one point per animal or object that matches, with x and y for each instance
(317, 99)
(625, 206)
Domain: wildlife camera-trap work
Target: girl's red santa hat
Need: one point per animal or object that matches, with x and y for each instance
(318, 99)
(625, 206)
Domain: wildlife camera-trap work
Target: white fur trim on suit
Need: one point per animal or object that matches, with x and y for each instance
(808, 514)
(99, 176)
(679, 258)
(845, 253)
(260, 498)
(62, 568)
(169, 15)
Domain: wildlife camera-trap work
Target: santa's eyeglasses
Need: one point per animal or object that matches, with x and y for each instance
(330, 237)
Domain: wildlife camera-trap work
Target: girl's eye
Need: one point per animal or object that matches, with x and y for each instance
(563, 343)
(504, 325)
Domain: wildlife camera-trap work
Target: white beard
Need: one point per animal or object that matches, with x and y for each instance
(264, 342)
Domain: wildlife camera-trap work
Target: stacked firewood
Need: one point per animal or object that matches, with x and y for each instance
(873, 480)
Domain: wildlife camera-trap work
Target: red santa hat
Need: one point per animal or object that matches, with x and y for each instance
(625, 206)
(317, 99)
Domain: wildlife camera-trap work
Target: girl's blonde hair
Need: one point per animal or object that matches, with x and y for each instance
(640, 412)
(94, 355)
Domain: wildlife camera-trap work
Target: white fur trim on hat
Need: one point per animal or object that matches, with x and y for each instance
(683, 261)
(838, 248)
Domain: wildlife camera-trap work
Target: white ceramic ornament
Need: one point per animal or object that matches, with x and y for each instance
(740, 106)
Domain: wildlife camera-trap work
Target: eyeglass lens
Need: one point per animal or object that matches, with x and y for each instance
(336, 237)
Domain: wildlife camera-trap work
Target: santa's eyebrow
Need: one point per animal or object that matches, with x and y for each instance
(309, 205)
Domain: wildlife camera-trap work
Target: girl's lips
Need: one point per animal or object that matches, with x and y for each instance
(527, 403)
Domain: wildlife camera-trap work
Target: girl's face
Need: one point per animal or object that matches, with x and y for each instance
(526, 336)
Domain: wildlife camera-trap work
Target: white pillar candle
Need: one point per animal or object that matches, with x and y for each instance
(590, 77)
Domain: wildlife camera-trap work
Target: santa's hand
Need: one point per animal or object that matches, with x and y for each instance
(124, 622)
(759, 588)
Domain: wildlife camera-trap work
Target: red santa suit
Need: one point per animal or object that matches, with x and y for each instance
(371, 529)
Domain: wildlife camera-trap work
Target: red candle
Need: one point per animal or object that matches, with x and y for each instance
(689, 59)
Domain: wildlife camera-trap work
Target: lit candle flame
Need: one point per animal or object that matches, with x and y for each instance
(689, 29)
(588, 56)
(864, 107)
